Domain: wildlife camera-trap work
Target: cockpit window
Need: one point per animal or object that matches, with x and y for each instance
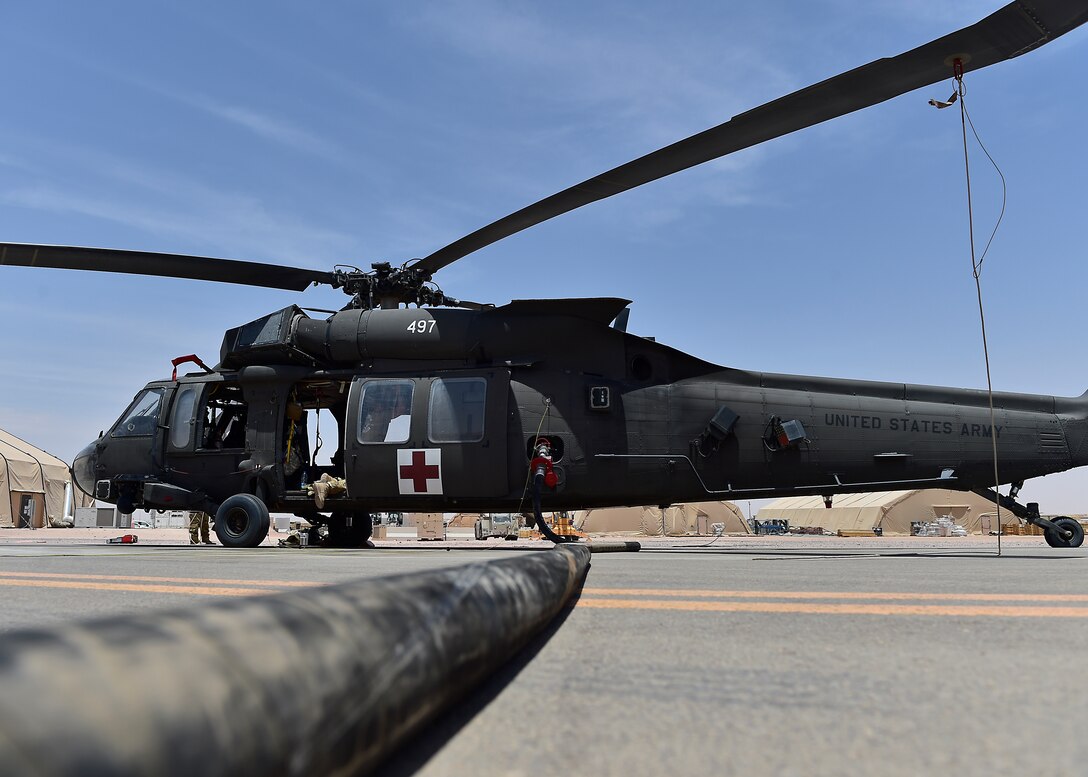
(182, 418)
(142, 416)
(225, 412)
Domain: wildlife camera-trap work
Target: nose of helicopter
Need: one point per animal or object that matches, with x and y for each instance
(84, 466)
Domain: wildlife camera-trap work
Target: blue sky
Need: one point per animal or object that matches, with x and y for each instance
(312, 134)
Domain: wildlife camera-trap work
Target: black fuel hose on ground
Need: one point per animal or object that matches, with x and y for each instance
(323, 681)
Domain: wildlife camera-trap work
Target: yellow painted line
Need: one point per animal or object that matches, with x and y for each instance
(878, 596)
(202, 580)
(813, 608)
(147, 588)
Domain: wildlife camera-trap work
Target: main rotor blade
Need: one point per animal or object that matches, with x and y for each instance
(1015, 29)
(272, 276)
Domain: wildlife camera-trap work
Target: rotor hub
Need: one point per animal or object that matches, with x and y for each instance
(389, 287)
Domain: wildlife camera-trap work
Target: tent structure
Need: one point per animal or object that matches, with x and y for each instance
(678, 520)
(460, 521)
(33, 485)
(892, 511)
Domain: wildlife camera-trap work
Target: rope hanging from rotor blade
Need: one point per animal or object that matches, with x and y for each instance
(960, 94)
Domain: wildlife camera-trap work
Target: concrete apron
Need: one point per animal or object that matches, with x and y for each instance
(317, 681)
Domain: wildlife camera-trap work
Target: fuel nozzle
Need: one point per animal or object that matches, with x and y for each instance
(543, 474)
(541, 464)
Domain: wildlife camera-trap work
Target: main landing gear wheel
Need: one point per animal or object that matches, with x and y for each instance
(349, 530)
(242, 521)
(1054, 540)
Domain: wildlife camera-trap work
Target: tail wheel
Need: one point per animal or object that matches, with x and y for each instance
(242, 521)
(1055, 540)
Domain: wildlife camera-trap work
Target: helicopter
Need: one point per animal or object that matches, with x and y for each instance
(442, 404)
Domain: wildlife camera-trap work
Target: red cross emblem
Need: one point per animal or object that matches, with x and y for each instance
(420, 471)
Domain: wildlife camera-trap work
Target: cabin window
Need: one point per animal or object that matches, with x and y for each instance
(182, 419)
(142, 416)
(457, 410)
(224, 417)
(385, 411)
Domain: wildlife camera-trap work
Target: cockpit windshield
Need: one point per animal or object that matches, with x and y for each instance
(142, 415)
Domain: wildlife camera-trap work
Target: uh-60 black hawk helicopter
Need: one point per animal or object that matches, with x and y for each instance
(453, 405)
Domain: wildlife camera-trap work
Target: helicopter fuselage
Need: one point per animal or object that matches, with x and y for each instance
(440, 410)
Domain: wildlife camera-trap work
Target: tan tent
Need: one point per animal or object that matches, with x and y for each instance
(892, 511)
(32, 484)
(463, 521)
(678, 520)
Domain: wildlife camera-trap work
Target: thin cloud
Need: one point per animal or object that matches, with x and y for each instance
(235, 223)
(639, 88)
(632, 72)
(285, 58)
(269, 127)
(266, 126)
(76, 317)
(164, 202)
(948, 14)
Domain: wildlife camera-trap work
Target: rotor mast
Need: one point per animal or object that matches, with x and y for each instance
(389, 287)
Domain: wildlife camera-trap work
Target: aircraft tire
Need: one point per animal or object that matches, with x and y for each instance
(1054, 541)
(357, 535)
(242, 521)
(126, 499)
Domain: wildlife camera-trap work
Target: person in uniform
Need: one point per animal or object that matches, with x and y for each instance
(387, 408)
(199, 526)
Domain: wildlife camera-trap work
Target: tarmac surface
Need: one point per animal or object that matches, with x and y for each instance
(751, 655)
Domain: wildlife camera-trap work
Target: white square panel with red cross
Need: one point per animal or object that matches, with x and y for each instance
(419, 471)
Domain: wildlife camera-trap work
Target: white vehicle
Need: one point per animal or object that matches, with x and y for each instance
(503, 525)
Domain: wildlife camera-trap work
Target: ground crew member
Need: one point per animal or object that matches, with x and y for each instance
(199, 523)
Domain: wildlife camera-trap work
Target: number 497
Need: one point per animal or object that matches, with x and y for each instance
(422, 326)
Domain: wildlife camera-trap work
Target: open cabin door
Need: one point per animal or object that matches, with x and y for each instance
(440, 437)
(206, 434)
